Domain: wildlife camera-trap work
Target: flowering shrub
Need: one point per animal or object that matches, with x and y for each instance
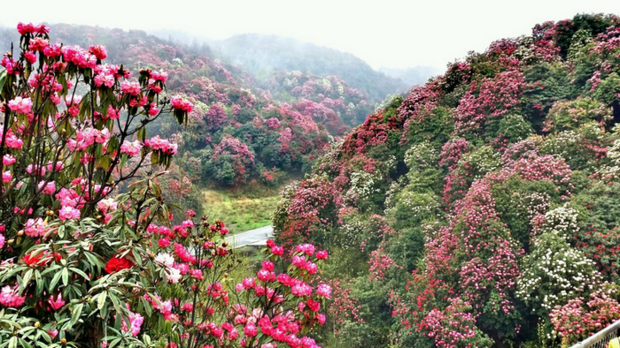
(215, 117)
(570, 115)
(494, 98)
(583, 316)
(344, 306)
(83, 264)
(230, 163)
(454, 327)
(555, 273)
(421, 156)
(310, 209)
(584, 149)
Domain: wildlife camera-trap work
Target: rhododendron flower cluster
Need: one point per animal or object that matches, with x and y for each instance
(261, 312)
(580, 317)
(9, 297)
(21, 105)
(181, 103)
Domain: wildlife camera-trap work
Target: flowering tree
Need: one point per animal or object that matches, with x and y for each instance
(82, 264)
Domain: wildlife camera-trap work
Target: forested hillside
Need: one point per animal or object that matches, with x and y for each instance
(482, 210)
(238, 132)
(263, 55)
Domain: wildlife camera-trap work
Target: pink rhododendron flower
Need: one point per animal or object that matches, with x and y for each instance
(8, 160)
(9, 297)
(250, 330)
(57, 167)
(132, 88)
(153, 111)
(277, 250)
(21, 105)
(56, 303)
(182, 267)
(131, 148)
(106, 205)
(11, 140)
(305, 248)
(299, 261)
(249, 283)
(38, 44)
(181, 103)
(163, 242)
(313, 305)
(159, 144)
(34, 227)
(196, 273)
(47, 188)
(100, 52)
(30, 57)
(268, 265)
(78, 56)
(68, 213)
(52, 51)
(135, 322)
(7, 176)
(104, 80)
(188, 307)
(324, 290)
(29, 28)
(35, 170)
(302, 289)
(265, 275)
(311, 267)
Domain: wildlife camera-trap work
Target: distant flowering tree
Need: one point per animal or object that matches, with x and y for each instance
(82, 264)
(492, 98)
(215, 117)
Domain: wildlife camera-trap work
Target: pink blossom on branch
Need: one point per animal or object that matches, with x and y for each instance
(21, 105)
(181, 104)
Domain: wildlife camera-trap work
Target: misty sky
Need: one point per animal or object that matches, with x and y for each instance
(388, 33)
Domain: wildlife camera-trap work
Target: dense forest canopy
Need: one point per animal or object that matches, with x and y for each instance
(480, 210)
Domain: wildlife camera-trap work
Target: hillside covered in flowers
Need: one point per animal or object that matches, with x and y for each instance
(238, 130)
(482, 210)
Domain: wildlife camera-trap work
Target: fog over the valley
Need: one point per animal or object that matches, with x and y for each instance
(390, 33)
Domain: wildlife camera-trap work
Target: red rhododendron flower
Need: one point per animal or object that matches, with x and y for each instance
(116, 264)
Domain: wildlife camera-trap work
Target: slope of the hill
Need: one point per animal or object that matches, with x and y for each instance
(262, 55)
(483, 209)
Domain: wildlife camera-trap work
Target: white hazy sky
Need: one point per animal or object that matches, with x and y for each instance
(388, 33)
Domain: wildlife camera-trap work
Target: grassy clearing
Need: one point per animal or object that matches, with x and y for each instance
(241, 210)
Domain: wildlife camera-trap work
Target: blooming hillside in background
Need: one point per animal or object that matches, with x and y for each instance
(285, 124)
(482, 209)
